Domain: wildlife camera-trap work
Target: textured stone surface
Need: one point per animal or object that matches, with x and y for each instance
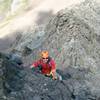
(25, 84)
(72, 37)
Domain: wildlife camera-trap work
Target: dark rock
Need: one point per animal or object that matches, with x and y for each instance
(26, 51)
(36, 98)
(16, 58)
(72, 38)
(25, 84)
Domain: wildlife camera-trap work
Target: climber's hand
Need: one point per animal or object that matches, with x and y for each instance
(53, 75)
(31, 66)
(54, 78)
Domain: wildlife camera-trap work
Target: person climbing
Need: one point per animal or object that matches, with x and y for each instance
(46, 65)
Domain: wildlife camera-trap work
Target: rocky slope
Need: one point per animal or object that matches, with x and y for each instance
(73, 34)
(72, 38)
(19, 15)
(17, 83)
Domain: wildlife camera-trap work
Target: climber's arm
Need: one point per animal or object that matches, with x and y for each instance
(35, 64)
(53, 70)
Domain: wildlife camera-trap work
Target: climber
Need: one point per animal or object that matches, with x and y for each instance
(46, 65)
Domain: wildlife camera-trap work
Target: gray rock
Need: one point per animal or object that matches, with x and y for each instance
(25, 84)
(36, 98)
(72, 38)
(73, 41)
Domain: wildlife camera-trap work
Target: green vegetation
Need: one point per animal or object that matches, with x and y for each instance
(5, 9)
(5, 6)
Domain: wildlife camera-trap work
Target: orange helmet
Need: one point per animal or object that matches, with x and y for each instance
(45, 54)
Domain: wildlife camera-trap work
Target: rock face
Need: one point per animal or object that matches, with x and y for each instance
(73, 37)
(1, 79)
(25, 84)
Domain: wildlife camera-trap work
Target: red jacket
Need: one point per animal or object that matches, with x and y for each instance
(46, 67)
